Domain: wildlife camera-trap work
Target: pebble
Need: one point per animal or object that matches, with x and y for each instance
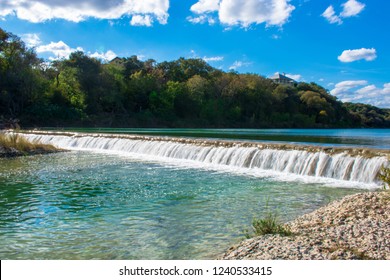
(355, 227)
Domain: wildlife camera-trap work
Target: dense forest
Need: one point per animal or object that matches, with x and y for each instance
(128, 92)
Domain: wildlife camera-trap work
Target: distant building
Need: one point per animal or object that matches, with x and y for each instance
(282, 79)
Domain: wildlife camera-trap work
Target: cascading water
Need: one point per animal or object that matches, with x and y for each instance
(339, 166)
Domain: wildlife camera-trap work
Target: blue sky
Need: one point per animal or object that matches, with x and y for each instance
(342, 45)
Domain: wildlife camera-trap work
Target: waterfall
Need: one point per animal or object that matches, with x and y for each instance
(319, 164)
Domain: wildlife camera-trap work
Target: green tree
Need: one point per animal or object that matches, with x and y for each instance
(88, 71)
(20, 72)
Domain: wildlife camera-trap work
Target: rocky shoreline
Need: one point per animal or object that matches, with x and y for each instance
(355, 227)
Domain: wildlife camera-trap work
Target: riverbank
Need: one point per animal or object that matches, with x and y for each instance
(355, 227)
(16, 145)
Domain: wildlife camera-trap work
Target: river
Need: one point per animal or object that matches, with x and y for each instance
(110, 199)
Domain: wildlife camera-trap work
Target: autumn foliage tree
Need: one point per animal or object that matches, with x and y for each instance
(81, 90)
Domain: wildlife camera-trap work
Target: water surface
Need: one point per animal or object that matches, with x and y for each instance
(82, 205)
(371, 138)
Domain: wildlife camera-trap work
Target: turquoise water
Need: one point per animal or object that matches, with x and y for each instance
(82, 205)
(373, 138)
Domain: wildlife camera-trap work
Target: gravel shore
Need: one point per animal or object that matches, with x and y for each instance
(355, 227)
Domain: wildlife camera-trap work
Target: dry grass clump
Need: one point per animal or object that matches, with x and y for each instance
(21, 144)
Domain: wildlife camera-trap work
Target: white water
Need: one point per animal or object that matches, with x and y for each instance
(288, 162)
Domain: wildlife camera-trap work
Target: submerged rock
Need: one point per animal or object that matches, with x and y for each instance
(355, 227)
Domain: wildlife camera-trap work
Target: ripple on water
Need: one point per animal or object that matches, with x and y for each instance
(81, 205)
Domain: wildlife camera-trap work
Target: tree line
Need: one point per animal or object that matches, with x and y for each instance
(84, 91)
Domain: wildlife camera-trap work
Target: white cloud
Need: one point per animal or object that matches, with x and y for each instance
(107, 56)
(352, 8)
(213, 58)
(141, 20)
(31, 39)
(246, 12)
(59, 50)
(205, 6)
(372, 90)
(353, 55)
(295, 77)
(360, 92)
(386, 88)
(202, 19)
(331, 16)
(344, 87)
(193, 54)
(79, 10)
(238, 64)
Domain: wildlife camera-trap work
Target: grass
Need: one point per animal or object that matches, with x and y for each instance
(21, 144)
(384, 175)
(269, 224)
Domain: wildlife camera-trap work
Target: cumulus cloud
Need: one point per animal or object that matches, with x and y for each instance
(344, 87)
(80, 10)
(352, 8)
(349, 9)
(31, 39)
(59, 50)
(361, 92)
(359, 54)
(246, 12)
(205, 6)
(107, 56)
(372, 90)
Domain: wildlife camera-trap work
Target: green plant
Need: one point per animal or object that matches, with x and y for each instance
(268, 224)
(384, 175)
